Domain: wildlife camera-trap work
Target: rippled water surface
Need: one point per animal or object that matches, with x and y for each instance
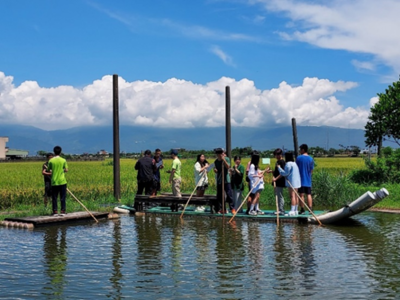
(153, 257)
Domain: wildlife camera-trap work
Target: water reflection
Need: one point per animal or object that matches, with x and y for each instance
(149, 253)
(116, 274)
(295, 266)
(55, 260)
(154, 257)
(374, 241)
(229, 252)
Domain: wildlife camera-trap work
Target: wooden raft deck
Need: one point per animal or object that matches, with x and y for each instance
(141, 201)
(269, 215)
(69, 217)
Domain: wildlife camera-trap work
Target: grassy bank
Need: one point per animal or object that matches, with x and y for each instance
(21, 187)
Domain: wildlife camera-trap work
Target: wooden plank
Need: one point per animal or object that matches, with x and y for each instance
(69, 217)
(268, 217)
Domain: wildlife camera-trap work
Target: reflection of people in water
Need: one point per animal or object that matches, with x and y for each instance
(149, 252)
(55, 255)
(294, 249)
(229, 249)
(255, 248)
(117, 262)
(306, 262)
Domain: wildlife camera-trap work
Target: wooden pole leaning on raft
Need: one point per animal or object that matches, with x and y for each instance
(304, 203)
(234, 215)
(187, 203)
(277, 207)
(73, 196)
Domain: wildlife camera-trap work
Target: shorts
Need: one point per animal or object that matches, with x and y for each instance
(202, 187)
(256, 192)
(305, 190)
(47, 189)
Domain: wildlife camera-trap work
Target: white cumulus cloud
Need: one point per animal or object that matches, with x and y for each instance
(178, 104)
(362, 26)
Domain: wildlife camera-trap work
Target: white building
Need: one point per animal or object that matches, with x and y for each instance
(3, 141)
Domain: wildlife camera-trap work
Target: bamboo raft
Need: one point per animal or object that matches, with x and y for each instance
(35, 221)
(151, 205)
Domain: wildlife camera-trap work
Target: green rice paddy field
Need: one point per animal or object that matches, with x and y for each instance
(21, 184)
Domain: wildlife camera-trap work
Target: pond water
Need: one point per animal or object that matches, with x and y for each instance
(158, 257)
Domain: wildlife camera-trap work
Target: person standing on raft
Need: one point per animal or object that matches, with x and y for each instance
(58, 167)
(237, 182)
(257, 185)
(279, 180)
(47, 179)
(158, 162)
(222, 161)
(306, 167)
(145, 176)
(292, 175)
(175, 177)
(200, 177)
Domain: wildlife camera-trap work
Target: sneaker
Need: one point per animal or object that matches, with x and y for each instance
(260, 212)
(55, 213)
(302, 211)
(62, 213)
(233, 211)
(200, 208)
(282, 213)
(253, 213)
(292, 213)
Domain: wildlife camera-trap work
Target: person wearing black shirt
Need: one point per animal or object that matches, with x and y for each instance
(47, 179)
(279, 180)
(145, 176)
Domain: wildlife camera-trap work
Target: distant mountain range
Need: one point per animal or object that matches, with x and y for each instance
(79, 140)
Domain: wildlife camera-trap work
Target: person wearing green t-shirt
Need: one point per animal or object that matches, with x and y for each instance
(175, 177)
(57, 166)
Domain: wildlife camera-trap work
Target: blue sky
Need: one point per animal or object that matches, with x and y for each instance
(319, 61)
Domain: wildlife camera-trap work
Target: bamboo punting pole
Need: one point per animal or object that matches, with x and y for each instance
(277, 207)
(304, 203)
(187, 203)
(73, 196)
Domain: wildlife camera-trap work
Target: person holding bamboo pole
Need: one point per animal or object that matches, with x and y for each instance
(257, 184)
(222, 165)
(292, 175)
(47, 179)
(237, 181)
(279, 180)
(58, 166)
(200, 177)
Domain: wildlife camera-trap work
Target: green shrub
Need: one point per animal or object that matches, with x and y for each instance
(333, 190)
(386, 169)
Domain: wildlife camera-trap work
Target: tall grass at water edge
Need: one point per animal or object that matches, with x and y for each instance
(21, 184)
